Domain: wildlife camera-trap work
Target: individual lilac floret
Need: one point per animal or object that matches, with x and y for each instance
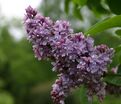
(74, 57)
(31, 13)
(62, 28)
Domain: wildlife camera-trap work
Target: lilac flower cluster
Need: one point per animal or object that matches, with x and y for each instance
(74, 57)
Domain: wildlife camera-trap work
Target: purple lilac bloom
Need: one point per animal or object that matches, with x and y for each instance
(74, 57)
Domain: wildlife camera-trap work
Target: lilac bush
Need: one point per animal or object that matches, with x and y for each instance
(74, 57)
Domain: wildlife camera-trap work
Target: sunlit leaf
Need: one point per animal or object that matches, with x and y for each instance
(105, 24)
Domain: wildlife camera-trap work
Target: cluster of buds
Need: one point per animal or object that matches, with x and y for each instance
(74, 57)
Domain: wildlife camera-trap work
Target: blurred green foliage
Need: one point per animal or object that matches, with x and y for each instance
(6, 98)
(114, 6)
(19, 70)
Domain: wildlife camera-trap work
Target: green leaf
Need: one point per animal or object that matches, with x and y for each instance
(80, 2)
(67, 2)
(107, 38)
(77, 12)
(117, 57)
(118, 32)
(118, 53)
(118, 49)
(114, 79)
(114, 21)
(115, 6)
(96, 7)
(119, 69)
